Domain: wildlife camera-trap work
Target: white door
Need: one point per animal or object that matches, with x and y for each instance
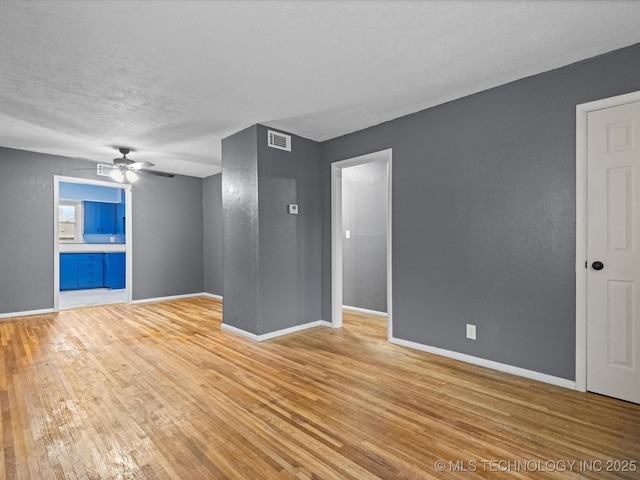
(613, 249)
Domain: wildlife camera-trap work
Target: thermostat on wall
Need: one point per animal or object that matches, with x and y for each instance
(292, 209)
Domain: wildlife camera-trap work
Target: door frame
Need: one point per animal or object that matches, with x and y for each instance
(336, 234)
(57, 179)
(582, 112)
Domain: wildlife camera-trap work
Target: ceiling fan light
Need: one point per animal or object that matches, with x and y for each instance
(131, 176)
(117, 175)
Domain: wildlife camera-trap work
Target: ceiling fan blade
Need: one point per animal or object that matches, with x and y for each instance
(157, 173)
(140, 165)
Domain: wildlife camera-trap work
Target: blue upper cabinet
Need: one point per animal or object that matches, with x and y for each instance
(120, 215)
(91, 217)
(99, 218)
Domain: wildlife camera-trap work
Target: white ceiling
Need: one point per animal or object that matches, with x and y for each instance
(171, 79)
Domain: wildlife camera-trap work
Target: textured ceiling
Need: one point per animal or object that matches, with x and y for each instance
(171, 79)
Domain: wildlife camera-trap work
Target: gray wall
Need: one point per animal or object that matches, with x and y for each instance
(484, 214)
(26, 235)
(272, 259)
(289, 247)
(364, 254)
(167, 236)
(26, 226)
(240, 232)
(212, 227)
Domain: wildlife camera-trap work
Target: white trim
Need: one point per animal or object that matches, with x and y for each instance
(212, 295)
(128, 232)
(128, 239)
(502, 367)
(364, 310)
(56, 243)
(581, 249)
(336, 234)
(277, 333)
(26, 313)
(582, 112)
(170, 297)
(336, 245)
(389, 245)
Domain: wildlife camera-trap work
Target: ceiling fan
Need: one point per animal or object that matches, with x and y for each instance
(126, 170)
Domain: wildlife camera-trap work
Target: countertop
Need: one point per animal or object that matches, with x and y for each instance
(92, 247)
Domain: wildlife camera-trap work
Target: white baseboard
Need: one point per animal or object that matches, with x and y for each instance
(277, 333)
(26, 313)
(502, 367)
(212, 295)
(171, 297)
(364, 310)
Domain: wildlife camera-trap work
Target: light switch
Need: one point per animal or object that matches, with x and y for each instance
(292, 209)
(471, 331)
(347, 234)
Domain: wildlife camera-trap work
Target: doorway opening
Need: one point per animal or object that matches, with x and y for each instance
(342, 231)
(92, 242)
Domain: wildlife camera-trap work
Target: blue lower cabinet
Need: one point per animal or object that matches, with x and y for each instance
(68, 271)
(114, 270)
(90, 270)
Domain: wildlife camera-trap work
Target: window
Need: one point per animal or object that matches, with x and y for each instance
(70, 222)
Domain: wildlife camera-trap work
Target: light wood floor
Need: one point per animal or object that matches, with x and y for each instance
(157, 391)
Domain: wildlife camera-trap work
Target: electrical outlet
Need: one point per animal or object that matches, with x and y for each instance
(347, 234)
(112, 239)
(471, 331)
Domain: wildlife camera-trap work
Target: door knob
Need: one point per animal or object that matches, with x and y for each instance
(597, 265)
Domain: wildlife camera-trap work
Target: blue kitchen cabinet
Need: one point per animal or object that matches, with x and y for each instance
(114, 270)
(91, 213)
(121, 213)
(90, 270)
(79, 271)
(68, 271)
(120, 218)
(108, 218)
(99, 218)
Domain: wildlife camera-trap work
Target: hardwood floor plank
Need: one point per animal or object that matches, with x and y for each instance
(159, 391)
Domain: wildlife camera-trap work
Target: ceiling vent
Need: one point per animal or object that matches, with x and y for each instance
(279, 140)
(102, 171)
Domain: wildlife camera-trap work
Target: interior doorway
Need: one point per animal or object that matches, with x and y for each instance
(99, 260)
(364, 234)
(338, 233)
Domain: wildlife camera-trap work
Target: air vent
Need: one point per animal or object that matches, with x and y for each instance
(105, 172)
(279, 140)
